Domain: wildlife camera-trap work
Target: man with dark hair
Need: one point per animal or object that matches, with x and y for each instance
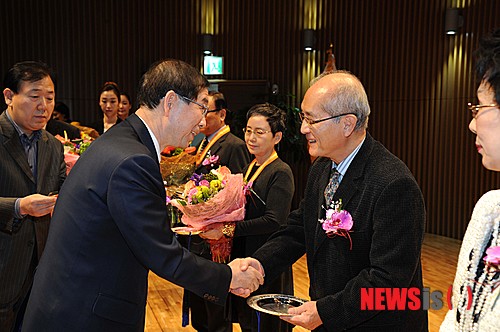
(32, 167)
(110, 225)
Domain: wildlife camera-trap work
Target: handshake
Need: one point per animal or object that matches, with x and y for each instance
(247, 276)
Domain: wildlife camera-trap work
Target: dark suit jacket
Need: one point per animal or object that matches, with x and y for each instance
(110, 227)
(19, 240)
(56, 127)
(389, 215)
(232, 152)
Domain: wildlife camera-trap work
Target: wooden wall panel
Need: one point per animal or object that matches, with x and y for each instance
(418, 79)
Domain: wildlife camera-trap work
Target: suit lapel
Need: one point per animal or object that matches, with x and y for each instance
(348, 186)
(322, 183)
(217, 145)
(13, 146)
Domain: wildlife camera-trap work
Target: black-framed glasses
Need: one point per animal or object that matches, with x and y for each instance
(204, 108)
(311, 122)
(476, 108)
(258, 132)
(215, 110)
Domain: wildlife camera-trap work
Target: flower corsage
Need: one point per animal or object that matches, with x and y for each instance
(211, 161)
(337, 222)
(492, 258)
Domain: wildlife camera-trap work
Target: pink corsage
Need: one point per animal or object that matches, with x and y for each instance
(492, 261)
(247, 188)
(492, 257)
(337, 221)
(211, 160)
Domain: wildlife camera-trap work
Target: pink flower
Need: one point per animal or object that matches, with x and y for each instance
(204, 183)
(247, 188)
(210, 160)
(192, 192)
(221, 172)
(492, 256)
(336, 221)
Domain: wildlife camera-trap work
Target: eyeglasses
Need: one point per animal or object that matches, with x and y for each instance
(475, 108)
(311, 122)
(215, 110)
(204, 108)
(258, 132)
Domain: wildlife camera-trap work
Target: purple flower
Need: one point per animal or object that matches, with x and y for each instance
(196, 178)
(492, 256)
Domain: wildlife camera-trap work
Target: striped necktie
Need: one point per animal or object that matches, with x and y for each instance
(203, 144)
(30, 147)
(332, 186)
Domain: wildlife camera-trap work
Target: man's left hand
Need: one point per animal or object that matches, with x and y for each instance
(306, 316)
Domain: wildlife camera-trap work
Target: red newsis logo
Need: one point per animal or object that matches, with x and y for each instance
(411, 298)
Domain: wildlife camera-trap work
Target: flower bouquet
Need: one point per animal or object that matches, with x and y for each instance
(215, 197)
(73, 149)
(176, 166)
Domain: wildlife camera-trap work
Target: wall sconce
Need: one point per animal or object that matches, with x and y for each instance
(208, 43)
(308, 39)
(453, 21)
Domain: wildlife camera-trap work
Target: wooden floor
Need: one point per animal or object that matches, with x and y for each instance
(439, 258)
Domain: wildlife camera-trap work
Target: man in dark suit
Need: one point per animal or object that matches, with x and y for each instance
(219, 141)
(110, 225)
(232, 153)
(383, 247)
(32, 165)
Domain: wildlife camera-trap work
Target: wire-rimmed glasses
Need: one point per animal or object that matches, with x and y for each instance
(204, 108)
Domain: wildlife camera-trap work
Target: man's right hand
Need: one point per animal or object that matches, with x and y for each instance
(37, 205)
(244, 281)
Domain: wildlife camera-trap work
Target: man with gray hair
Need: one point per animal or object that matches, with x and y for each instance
(372, 235)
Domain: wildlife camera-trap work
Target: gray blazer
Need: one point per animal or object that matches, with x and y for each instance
(18, 241)
(389, 216)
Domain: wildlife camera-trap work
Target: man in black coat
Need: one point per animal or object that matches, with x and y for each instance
(382, 249)
(219, 141)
